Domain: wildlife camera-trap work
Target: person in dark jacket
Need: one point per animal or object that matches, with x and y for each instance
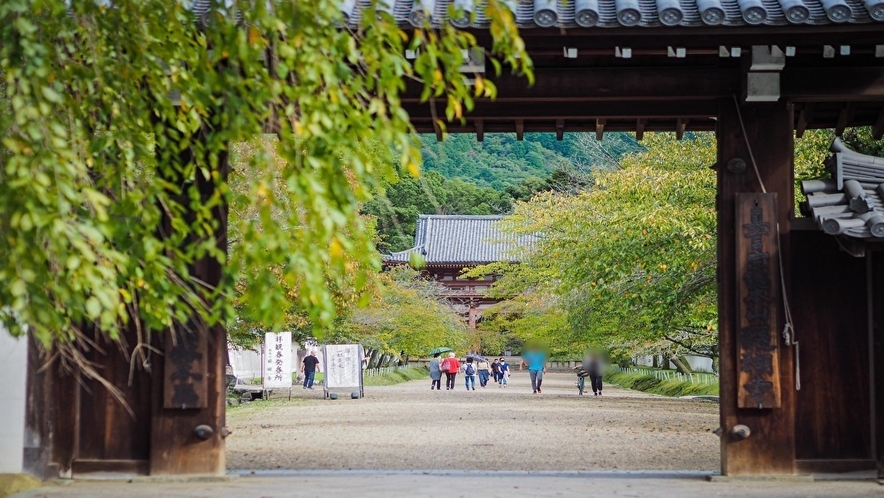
(435, 373)
(593, 365)
(495, 369)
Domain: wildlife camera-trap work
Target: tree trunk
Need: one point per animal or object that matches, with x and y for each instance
(374, 361)
(682, 365)
(656, 363)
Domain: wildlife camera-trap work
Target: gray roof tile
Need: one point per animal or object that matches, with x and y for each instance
(445, 239)
(851, 203)
(623, 13)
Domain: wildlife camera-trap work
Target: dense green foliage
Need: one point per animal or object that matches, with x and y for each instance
(102, 217)
(501, 162)
(406, 317)
(628, 262)
(624, 264)
(398, 207)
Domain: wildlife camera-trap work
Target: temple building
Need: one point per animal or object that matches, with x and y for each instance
(449, 244)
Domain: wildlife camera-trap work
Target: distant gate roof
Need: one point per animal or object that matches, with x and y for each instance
(449, 239)
(627, 13)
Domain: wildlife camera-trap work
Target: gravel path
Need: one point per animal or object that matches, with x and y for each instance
(407, 426)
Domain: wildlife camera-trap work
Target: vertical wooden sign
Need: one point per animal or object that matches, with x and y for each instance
(185, 382)
(758, 294)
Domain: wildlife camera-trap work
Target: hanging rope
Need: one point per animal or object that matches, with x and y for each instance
(788, 329)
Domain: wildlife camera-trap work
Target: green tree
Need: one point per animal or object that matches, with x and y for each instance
(114, 118)
(397, 207)
(406, 316)
(627, 261)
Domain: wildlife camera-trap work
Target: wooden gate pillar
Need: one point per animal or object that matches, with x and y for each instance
(188, 387)
(769, 447)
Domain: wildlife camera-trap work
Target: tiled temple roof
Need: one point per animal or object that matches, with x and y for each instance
(850, 203)
(442, 239)
(626, 13)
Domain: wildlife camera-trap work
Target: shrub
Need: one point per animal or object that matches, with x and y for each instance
(651, 384)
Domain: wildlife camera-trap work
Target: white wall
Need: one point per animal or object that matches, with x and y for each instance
(246, 363)
(698, 363)
(13, 375)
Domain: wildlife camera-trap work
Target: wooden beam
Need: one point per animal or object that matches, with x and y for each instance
(878, 128)
(531, 109)
(520, 130)
(680, 125)
(480, 130)
(640, 125)
(679, 84)
(608, 84)
(600, 128)
(844, 84)
(549, 126)
(804, 118)
(560, 129)
(843, 117)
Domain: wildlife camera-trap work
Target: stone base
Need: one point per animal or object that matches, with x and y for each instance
(183, 478)
(760, 478)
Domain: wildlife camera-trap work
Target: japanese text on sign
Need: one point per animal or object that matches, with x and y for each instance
(278, 360)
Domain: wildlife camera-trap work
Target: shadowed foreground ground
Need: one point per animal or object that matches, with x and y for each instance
(543, 441)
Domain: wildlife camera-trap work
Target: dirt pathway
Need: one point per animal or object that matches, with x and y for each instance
(407, 426)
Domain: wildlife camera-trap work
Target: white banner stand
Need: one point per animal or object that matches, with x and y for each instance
(277, 371)
(342, 364)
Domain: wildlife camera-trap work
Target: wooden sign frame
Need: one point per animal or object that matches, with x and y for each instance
(758, 295)
(186, 369)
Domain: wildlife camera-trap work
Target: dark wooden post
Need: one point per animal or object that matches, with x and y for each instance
(876, 342)
(188, 385)
(770, 446)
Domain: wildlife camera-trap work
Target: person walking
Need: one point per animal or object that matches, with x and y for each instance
(495, 369)
(435, 373)
(484, 369)
(469, 373)
(535, 360)
(593, 365)
(450, 366)
(503, 373)
(309, 367)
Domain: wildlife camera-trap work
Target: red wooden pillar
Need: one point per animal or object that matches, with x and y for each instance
(770, 448)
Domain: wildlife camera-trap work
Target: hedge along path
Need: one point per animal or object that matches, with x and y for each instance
(649, 383)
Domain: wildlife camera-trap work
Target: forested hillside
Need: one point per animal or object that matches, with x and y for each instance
(464, 176)
(501, 161)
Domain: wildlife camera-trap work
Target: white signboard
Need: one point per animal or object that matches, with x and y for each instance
(277, 360)
(343, 365)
